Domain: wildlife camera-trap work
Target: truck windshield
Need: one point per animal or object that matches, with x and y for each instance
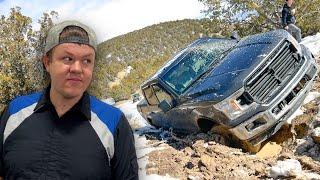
(195, 61)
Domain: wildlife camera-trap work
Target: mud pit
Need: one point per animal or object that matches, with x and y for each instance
(206, 156)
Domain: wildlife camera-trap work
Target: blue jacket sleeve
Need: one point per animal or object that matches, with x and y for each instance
(124, 162)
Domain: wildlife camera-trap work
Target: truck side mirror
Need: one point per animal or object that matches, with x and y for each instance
(165, 105)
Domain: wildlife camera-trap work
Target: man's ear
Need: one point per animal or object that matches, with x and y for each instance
(46, 62)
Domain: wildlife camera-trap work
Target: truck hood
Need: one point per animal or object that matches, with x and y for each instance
(216, 88)
(229, 75)
(249, 53)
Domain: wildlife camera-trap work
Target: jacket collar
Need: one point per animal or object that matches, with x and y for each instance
(82, 106)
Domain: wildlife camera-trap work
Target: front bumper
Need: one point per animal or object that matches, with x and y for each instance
(264, 124)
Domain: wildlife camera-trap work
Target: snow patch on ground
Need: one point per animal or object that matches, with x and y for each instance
(311, 96)
(140, 125)
(142, 150)
(130, 111)
(120, 75)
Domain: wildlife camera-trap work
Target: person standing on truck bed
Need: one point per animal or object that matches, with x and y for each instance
(288, 20)
(63, 132)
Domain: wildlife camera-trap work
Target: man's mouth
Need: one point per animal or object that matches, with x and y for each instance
(75, 79)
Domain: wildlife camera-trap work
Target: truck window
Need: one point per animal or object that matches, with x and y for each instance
(195, 61)
(150, 96)
(161, 94)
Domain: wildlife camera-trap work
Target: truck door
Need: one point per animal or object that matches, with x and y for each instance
(154, 95)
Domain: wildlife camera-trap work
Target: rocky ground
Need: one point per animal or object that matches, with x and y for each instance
(292, 153)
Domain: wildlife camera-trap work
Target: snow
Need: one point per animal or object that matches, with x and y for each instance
(130, 111)
(313, 43)
(109, 55)
(109, 101)
(140, 125)
(128, 70)
(290, 168)
(294, 115)
(311, 96)
(316, 131)
(287, 168)
(142, 150)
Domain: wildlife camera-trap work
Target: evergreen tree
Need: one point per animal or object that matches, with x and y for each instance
(254, 16)
(20, 49)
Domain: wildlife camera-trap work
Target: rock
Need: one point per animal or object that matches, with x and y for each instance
(151, 165)
(304, 147)
(308, 163)
(270, 149)
(207, 161)
(241, 174)
(285, 156)
(313, 152)
(311, 176)
(300, 141)
(286, 168)
(188, 151)
(189, 165)
(259, 168)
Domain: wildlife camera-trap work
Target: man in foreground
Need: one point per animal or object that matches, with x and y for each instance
(288, 20)
(63, 132)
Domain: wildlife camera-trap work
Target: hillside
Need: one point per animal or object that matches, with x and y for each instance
(155, 40)
(147, 49)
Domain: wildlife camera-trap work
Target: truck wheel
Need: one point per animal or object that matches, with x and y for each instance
(233, 141)
(225, 137)
(222, 136)
(218, 129)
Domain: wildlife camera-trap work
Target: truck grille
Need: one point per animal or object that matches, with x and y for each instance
(274, 73)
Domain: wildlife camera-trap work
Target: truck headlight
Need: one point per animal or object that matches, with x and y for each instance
(236, 104)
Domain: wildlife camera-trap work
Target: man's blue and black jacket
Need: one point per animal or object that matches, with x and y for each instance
(93, 140)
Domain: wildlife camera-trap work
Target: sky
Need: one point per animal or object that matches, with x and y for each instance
(109, 18)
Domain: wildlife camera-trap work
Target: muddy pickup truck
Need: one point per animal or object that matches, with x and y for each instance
(244, 88)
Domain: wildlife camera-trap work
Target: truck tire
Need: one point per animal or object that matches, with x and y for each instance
(235, 142)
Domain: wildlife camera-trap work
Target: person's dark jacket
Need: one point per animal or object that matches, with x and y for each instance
(287, 16)
(92, 140)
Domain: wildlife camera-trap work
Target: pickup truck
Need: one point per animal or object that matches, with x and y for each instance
(246, 88)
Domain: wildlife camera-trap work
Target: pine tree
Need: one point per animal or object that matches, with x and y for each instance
(20, 67)
(254, 16)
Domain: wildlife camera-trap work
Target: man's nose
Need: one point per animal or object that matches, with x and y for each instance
(76, 67)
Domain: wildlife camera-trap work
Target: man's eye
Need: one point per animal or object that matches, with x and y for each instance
(86, 61)
(67, 59)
